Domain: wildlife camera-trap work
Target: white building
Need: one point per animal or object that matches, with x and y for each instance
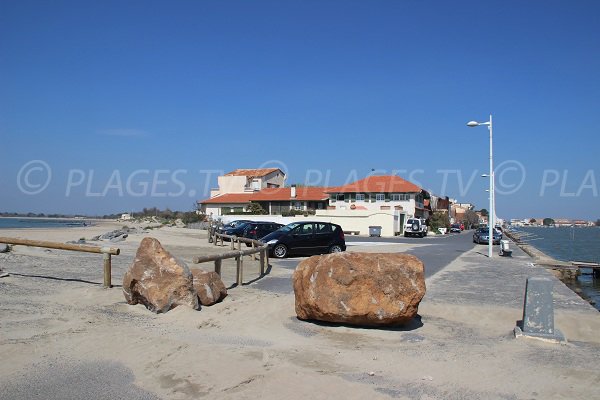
(249, 180)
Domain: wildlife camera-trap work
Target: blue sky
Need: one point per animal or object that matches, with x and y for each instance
(120, 98)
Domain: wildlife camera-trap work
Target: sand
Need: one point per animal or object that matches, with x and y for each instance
(55, 316)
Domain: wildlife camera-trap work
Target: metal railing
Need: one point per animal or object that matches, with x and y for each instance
(106, 251)
(257, 248)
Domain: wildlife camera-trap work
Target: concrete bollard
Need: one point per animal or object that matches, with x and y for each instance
(538, 312)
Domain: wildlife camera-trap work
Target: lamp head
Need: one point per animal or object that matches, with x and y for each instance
(472, 124)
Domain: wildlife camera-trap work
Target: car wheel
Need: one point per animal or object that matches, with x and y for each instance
(405, 234)
(335, 249)
(280, 251)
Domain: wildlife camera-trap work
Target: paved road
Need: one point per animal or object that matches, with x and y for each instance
(436, 252)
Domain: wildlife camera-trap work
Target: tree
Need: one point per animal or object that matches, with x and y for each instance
(548, 222)
(484, 212)
(471, 218)
(439, 219)
(256, 208)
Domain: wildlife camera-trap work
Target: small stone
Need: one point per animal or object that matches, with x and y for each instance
(371, 373)
(427, 378)
(3, 248)
(209, 286)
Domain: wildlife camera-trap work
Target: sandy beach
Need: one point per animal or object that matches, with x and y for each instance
(64, 336)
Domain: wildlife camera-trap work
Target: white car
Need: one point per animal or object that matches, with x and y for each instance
(415, 227)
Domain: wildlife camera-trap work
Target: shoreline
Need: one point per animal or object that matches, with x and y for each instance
(566, 272)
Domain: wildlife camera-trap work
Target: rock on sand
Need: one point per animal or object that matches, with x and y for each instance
(209, 286)
(370, 289)
(158, 280)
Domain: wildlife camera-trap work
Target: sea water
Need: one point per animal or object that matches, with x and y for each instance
(570, 244)
(12, 223)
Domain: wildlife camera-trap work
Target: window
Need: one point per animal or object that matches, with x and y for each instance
(380, 197)
(297, 205)
(322, 228)
(395, 197)
(340, 197)
(360, 197)
(306, 229)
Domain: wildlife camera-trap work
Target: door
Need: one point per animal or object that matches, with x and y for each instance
(323, 237)
(302, 239)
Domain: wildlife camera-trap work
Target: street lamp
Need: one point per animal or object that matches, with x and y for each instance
(491, 176)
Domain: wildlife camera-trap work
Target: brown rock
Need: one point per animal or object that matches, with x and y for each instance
(371, 289)
(209, 286)
(158, 280)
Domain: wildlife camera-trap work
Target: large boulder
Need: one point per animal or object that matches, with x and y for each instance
(371, 289)
(3, 248)
(158, 280)
(209, 286)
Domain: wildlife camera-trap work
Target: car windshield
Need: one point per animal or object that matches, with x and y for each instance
(289, 227)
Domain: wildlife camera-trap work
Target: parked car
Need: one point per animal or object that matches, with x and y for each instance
(455, 228)
(482, 236)
(237, 230)
(258, 230)
(232, 225)
(306, 238)
(415, 227)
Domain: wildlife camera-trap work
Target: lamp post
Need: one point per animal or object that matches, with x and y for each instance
(491, 211)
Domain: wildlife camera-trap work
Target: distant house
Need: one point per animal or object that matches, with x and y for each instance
(273, 200)
(249, 180)
(381, 192)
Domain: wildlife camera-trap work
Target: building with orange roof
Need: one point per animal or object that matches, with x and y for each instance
(249, 180)
(381, 193)
(273, 200)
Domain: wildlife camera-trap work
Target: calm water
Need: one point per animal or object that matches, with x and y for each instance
(571, 244)
(38, 223)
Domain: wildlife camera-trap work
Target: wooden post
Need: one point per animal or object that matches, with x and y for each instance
(262, 262)
(239, 245)
(253, 254)
(107, 270)
(218, 266)
(240, 269)
(232, 244)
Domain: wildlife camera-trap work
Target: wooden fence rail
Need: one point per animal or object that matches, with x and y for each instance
(256, 248)
(106, 251)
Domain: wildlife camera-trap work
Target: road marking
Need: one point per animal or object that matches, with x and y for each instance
(370, 243)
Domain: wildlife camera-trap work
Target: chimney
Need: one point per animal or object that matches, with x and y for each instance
(293, 191)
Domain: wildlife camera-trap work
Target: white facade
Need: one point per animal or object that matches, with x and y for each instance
(408, 203)
(239, 183)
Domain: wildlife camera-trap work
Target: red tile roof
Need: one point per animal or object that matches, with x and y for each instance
(252, 172)
(378, 184)
(271, 194)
